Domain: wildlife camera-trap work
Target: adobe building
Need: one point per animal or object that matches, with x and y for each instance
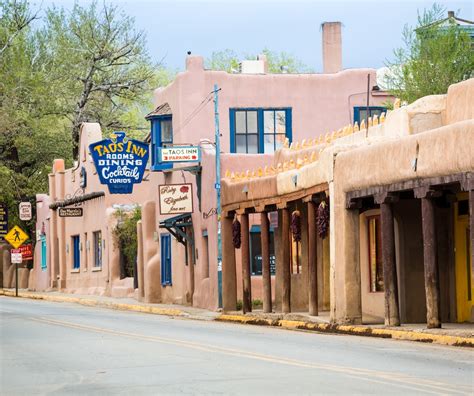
(400, 192)
(77, 253)
(258, 112)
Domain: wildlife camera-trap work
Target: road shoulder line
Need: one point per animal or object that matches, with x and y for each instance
(358, 330)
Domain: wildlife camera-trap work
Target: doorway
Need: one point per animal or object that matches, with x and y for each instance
(463, 259)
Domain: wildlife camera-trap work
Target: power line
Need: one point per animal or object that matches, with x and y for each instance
(196, 111)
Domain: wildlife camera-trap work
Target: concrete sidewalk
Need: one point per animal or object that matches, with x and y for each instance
(454, 334)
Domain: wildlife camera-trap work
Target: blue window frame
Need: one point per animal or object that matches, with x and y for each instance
(165, 243)
(161, 135)
(76, 252)
(360, 112)
(259, 130)
(43, 253)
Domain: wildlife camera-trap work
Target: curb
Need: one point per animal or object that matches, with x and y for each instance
(357, 330)
(96, 303)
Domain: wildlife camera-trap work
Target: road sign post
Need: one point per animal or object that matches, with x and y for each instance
(16, 258)
(16, 237)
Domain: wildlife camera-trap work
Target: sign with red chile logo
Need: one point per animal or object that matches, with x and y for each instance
(175, 198)
(26, 251)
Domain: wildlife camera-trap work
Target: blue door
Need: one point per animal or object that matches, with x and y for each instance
(76, 252)
(43, 253)
(165, 240)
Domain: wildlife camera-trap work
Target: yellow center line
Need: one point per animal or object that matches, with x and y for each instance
(401, 380)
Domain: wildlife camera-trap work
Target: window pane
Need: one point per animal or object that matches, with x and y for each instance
(166, 131)
(252, 122)
(240, 122)
(280, 121)
(269, 121)
(240, 143)
(362, 115)
(375, 112)
(256, 249)
(269, 144)
(279, 140)
(252, 143)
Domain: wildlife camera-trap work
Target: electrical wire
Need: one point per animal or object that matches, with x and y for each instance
(195, 112)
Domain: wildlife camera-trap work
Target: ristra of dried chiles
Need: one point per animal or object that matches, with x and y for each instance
(322, 219)
(236, 235)
(295, 225)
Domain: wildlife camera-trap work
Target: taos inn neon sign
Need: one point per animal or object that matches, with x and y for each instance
(120, 162)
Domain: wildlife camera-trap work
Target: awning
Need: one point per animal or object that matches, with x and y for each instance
(76, 200)
(177, 227)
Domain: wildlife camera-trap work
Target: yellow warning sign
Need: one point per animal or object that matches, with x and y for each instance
(16, 237)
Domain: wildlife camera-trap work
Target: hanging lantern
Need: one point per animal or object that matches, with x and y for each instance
(322, 219)
(236, 235)
(295, 225)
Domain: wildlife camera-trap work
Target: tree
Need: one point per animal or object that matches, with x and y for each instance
(15, 17)
(278, 62)
(225, 60)
(103, 64)
(437, 53)
(86, 65)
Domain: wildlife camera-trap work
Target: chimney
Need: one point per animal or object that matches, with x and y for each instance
(332, 47)
(194, 63)
(450, 14)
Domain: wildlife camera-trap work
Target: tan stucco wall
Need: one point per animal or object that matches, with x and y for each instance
(459, 105)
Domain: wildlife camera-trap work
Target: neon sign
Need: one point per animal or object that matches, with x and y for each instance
(120, 162)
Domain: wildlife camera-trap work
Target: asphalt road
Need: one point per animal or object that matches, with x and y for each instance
(53, 348)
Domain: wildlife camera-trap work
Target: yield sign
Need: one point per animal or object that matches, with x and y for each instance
(16, 237)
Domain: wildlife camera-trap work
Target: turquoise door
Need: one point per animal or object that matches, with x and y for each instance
(43, 253)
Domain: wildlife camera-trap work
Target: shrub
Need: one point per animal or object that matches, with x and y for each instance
(125, 239)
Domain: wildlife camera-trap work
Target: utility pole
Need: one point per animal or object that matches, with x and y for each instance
(217, 186)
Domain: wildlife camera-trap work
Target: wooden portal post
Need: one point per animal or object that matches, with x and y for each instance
(433, 318)
(229, 278)
(286, 274)
(312, 261)
(392, 312)
(246, 282)
(266, 277)
(190, 255)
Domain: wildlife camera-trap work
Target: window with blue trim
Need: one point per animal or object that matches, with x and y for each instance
(165, 245)
(161, 136)
(258, 130)
(256, 251)
(360, 112)
(76, 252)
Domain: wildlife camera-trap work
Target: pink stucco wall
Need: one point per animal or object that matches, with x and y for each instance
(98, 215)
(41, 278)
(320, 103)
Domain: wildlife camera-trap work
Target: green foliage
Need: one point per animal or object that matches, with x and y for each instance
(225, 60)
(278, 62)
(89, 64)
(125, 234)
(240, 305)
(434, 57)
(257, 303)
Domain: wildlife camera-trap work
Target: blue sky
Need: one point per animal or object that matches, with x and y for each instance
(371, 29)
